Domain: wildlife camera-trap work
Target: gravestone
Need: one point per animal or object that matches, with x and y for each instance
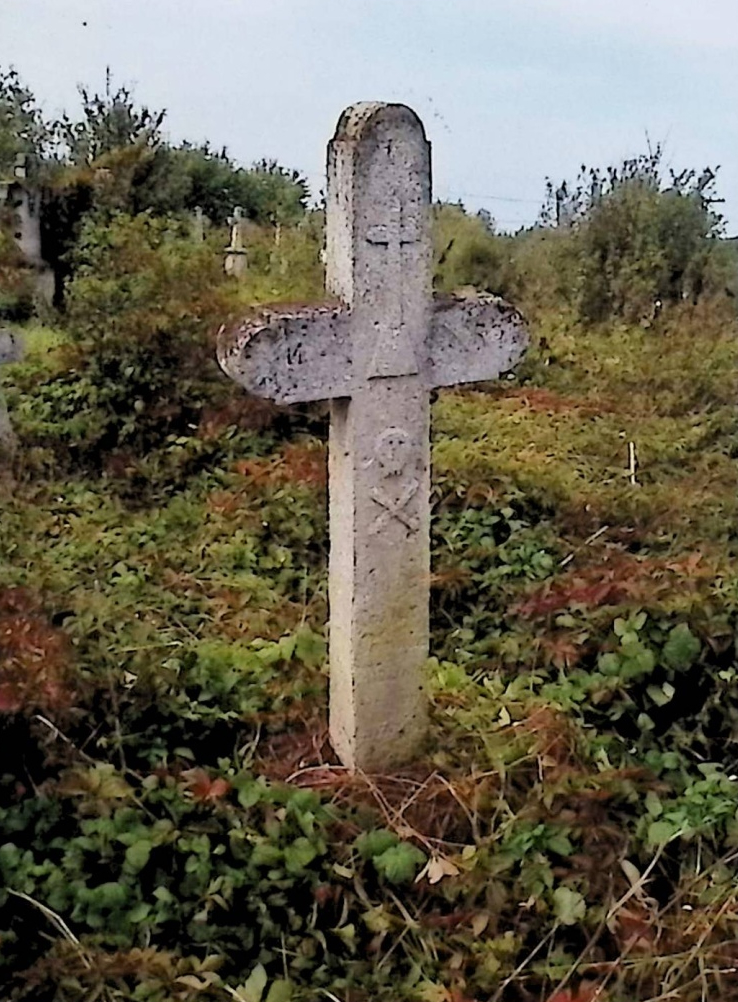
(23, 199)
(198, 225)
(11, 350)
(235, 259)
(376, 354)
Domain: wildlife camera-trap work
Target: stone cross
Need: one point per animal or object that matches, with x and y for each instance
(19, 168)
(235, 260)
(11, 350)
(198, 225)
(376, 354)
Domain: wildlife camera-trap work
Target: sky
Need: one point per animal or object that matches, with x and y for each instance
(510, 91)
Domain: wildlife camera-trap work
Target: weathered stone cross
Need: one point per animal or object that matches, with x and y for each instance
(11, 350)
(376, 355)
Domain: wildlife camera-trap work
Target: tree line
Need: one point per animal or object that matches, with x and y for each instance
(113, 157)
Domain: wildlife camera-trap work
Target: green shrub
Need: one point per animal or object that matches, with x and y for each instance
(468, 252)
(284, 263)
(140, 309)
(640, 245)
(16, 279)
(635, 240)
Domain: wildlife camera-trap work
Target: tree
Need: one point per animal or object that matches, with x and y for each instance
(180, 178)
(114, 159)
(280, 195)
(638, 237)
(467, 250)
(110, 121)
(23, 130)
(140, 308)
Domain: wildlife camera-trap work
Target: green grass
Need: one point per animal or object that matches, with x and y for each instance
(39, 338)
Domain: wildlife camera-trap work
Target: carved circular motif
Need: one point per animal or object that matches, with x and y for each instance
(392, 450)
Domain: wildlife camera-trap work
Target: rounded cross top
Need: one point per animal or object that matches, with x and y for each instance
(360, 120)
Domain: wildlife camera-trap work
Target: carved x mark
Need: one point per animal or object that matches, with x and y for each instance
(394, 509)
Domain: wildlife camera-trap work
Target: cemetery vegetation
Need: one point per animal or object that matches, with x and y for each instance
(173, 824)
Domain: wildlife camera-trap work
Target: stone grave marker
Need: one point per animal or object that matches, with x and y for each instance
(198, 225)
(235, 253)
(376, 354)
(23, 200)
(11, 350)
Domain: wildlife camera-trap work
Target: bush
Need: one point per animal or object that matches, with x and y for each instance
(284, 263)
(140, 307)
(16, 279)
(640, 245)
(468, 252)
(637, 241)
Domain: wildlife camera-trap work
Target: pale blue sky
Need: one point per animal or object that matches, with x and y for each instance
(510, 90)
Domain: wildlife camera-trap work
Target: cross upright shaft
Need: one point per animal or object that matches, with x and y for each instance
(376, 357)
(379, 453)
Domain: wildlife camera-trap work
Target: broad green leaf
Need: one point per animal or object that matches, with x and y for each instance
(559, 842)
(609, 664)
(653, 804)
(377, 919)
(661, 832)
(140, 913)
(279, 991)
(400, 863)
(299, 854)
(569, 906)
(137, 855)
(661, 694)
(253, 988)
(682, 647)
(347, 934)
(310, 647)
(248, 790)
(374, 843)
(108, 895)
(266, 854)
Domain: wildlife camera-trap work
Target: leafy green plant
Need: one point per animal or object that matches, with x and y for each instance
(395, 861)
(640, 241)
(139, 311)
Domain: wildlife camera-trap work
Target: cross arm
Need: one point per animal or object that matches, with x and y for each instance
(290, 355)
(473, 339)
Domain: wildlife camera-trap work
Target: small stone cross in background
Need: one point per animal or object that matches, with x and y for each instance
(235, 259)
(11, 350)
(198, 225)
(376, 355)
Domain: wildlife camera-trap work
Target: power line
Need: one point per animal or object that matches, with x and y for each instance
(499, 198)
(318, 181)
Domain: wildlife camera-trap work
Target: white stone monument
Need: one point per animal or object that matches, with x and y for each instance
(235, 253)
(198, 225)
(11, 350)
(376, 354)
(24, 201)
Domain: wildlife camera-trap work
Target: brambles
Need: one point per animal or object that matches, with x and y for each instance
(34, 658)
